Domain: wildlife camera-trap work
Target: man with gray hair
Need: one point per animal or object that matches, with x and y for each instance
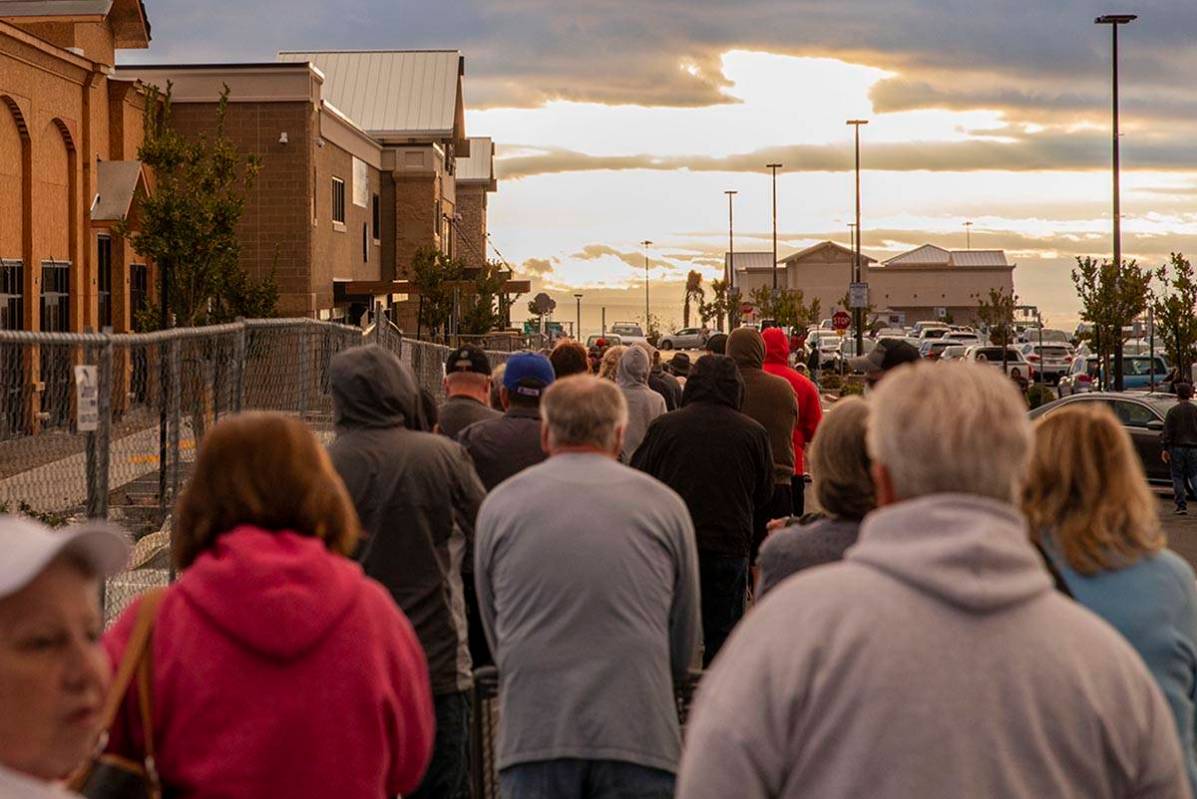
(936, 659)
(587, 581)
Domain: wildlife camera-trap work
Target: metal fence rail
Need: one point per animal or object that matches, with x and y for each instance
(156, 396)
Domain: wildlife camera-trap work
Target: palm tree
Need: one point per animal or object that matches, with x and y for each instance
(694, 292)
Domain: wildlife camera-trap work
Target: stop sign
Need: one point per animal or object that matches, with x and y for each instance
(841, 320)
(746, 309)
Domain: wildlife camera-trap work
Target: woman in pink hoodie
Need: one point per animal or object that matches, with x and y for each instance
(278, 668)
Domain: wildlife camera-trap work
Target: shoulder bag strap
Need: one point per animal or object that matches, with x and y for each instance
(134, 648)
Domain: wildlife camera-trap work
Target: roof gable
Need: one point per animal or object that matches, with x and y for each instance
(127, 18)
(116, 185)
(821, 247)
(926, 255)
(479, 166)
(394, 93)
(749, 260)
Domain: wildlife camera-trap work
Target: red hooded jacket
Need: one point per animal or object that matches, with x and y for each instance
(279, 669)
(810, 407)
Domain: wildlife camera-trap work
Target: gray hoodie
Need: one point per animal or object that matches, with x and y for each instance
(935, 661)
(644, 404)
(417, 496)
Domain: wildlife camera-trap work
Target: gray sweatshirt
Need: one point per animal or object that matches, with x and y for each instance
(644, 404)
(935, 661)
(587, 582)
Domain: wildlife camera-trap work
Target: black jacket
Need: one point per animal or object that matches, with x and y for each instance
(1180, 426)
(504, 446)
(667, 386)
(717, 459)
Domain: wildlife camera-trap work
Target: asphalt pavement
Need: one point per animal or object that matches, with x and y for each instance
(1181, 530)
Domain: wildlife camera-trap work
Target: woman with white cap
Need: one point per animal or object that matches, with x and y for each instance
(53, 671)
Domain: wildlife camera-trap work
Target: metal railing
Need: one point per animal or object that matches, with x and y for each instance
(106, 426)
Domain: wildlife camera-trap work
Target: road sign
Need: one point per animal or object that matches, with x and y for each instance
(858, 295)
(841, 320)
(941, 313)
(87, 398)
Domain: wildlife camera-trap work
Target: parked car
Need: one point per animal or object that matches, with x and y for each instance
(1051, 360)
(688, 338)
(1142, 415)
(611, 339)
(1084, 375)
(993, 357)
(933, 349)
(629, 333)
(919, 327)
(953, 352)
(1051, 335)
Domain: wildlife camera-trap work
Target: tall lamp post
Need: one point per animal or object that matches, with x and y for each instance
(1114, 20)
(729, 269)
(646, 244)
(578, 331)
(857, 313)
(968, 235)
(774, 168)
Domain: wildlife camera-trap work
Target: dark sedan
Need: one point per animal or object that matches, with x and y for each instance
(1141, 414)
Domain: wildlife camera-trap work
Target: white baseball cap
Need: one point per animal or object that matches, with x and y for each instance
(27, 548)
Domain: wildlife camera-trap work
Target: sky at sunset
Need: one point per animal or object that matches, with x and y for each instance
(621, 121)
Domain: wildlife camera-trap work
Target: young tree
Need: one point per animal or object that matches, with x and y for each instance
(1174, 307)
(188, 225)
(431, 273)
(1111, 296)
(480, 308)
(694, 293)
(717, 308)
(996, 313)
(788, 307)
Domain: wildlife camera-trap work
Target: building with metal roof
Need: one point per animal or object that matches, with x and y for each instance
(475, 180)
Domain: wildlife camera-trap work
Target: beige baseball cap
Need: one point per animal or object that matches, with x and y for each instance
(27, 547)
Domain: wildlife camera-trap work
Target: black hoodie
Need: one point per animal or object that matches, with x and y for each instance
(417, 496)
(717, 459)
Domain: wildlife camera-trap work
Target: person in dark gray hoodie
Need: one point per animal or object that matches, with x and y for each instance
(417, 497)
(936, 660)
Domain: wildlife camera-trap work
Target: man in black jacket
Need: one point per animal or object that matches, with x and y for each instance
(719, 461)
(1179, 440)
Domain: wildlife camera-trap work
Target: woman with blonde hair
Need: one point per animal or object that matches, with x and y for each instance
(278, 668)
(609, 365)
(1096, 521)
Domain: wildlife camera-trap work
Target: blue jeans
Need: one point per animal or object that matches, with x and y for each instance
(1183, 461)
(448, 775)
(584, 779)
(723, 583)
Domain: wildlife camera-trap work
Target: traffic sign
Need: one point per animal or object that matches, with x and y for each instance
(841, 320)
(746, 309)
(858, 295)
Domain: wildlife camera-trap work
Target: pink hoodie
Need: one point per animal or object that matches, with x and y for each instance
(810, 408)
(279, 669)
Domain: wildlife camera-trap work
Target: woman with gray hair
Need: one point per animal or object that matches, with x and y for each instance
(844, 490)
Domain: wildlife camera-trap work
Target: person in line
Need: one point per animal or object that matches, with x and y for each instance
(1094, 517)
(720, 463)
(467, 391)
(271, 638)
(53, 671)
(679, 366)
(496, 386)
(662, 382)
(587, 662)
(1179, 441)
(417, 496)
(769, 400)
(569, 358)
(810, 409)
(509, 444)
(936, 659)
(643, 403)
(844, 491)
(609, 365)
(716, 343)
(888, 355)
(814, 362)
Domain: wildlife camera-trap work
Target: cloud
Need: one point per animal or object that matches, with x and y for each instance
(592, 252)
(538, 267)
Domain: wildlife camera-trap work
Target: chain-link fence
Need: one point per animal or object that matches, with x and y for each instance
(107, 426)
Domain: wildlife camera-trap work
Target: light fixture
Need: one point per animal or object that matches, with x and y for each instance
(282, 137)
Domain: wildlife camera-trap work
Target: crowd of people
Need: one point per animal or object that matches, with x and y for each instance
(971, 606)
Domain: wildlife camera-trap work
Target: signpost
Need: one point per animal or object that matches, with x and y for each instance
(858, 295)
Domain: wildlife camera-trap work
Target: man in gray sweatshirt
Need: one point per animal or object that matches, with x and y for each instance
(936, 660)
(587, 580)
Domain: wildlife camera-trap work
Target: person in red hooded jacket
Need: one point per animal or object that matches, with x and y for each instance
(278, 668)
(810, 407)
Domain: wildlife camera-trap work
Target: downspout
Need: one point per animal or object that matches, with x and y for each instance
(89, 316)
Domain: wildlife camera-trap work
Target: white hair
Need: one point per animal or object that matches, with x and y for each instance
(582, 410)
(950, 428)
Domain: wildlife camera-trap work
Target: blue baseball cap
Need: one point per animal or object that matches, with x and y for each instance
(528, 374)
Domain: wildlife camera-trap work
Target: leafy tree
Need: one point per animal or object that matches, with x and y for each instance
(996, 312)
(788, 307)
(1174, 307)
(694, 293)
(188, 225)
(1111, 296)
(446, 284)
(480, 309)
(718, 308)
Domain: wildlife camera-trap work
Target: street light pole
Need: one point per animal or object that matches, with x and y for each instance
(774, 167)
(646, 244)
(857, 313)
(968, 235)
(578, 331)
(1114, 20)
(729, 271)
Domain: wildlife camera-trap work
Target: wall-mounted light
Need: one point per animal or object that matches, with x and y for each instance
(282, 137)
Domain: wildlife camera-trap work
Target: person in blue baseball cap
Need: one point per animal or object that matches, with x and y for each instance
(505, 446)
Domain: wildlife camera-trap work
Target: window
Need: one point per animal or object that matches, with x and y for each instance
(1132, 414)
(56, 304)
(365, 245)
(377, 223)
(56, 360)
(338, 200)
(104, 280)
(12, 295)
(139, 286)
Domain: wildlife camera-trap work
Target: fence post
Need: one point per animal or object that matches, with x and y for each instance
(91, 446)
(239, 367)
(104, 434)
(305, 368)
(175, 413)
(377, 322)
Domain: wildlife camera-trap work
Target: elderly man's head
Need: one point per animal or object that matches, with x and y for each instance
(583, 414)
(467, 374)
(956, 428)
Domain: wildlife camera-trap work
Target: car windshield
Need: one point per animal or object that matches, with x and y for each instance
(1142, 366)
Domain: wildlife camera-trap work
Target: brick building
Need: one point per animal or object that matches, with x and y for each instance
(69, 132)
(475, 181)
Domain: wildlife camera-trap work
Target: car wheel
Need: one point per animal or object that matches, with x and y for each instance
(666, 344)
